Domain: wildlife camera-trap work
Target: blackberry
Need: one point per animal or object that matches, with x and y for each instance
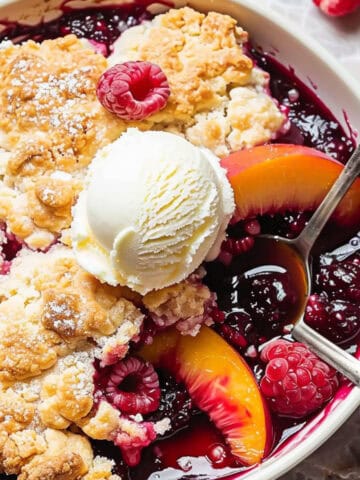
(175, 403)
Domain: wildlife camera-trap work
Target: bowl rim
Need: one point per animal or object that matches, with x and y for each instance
(275, 466)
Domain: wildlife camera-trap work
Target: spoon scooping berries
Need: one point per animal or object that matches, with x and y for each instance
(295, 257)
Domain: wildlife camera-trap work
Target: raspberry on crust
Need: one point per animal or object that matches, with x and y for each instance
(133, 90)
(218, 99)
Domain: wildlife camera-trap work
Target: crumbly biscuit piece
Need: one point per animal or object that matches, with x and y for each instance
(50, 128)
(55, 320)
(216, 92)
(186, 305)
(50, 306)
(67, 457)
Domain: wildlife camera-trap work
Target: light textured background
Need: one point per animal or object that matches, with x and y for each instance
(339, 458)
(341, 36)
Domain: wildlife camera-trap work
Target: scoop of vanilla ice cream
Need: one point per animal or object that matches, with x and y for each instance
(154, 208)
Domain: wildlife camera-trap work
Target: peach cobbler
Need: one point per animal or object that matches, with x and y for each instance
(141, 156)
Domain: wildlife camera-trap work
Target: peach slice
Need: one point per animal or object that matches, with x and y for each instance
(275, 178)
(221, 384)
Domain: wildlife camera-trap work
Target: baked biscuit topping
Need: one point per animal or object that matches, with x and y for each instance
(50, 307)
(218, 98)
(56, 322)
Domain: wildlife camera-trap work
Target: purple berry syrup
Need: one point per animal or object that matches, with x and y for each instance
(256, 307)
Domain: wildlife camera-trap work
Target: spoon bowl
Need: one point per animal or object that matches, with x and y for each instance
(295, 255)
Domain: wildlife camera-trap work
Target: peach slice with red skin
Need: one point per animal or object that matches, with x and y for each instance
(221, 384)
(278, 177)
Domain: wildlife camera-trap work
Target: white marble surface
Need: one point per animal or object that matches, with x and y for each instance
(339, 458)
(341, 36)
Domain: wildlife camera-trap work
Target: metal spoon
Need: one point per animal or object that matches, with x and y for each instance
(299, 249)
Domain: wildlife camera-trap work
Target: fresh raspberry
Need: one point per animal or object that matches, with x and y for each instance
(133, 90)
(296, 381)
(133, 387)
(337, 320)
(337, 8)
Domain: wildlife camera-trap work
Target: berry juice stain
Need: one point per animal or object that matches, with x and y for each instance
(198, 451)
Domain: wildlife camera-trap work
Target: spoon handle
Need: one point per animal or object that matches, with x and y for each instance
(328, 351)
(306, 239)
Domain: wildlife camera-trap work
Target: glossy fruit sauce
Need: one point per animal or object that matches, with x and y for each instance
(256, 305)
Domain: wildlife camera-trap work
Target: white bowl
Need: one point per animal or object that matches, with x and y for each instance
(337, 89)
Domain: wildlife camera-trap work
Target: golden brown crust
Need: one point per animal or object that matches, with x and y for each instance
(51, 122)
(67, 457)
(25, 351)
(69, 466)
(20, 448)
(50, 306)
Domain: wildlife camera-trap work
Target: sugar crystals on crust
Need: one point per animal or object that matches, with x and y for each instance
(50, 128)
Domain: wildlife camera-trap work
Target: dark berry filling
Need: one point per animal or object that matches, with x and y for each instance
(175, 403)
(239, 330)
(9, 248)
(340, 280)
(338, 320)
(334, 310)
(312, 123)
